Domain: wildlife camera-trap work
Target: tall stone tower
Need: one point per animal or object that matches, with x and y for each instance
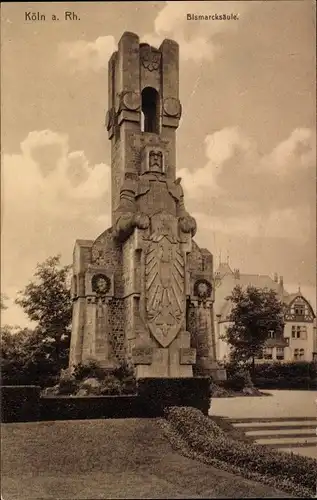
(143, 290)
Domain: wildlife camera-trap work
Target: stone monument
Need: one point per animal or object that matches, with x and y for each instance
(143, 290)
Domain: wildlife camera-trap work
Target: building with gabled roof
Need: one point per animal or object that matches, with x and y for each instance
(298, 342)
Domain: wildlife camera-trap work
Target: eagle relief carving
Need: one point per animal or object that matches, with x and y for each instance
(164, 280)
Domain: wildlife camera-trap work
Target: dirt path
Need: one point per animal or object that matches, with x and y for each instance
(107, 459)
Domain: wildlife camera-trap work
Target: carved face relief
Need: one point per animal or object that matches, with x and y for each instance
(202, 289)
(101, 284)
(156, 161)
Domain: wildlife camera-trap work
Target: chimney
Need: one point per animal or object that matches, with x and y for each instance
(276, 277)
(281, 281)
(236, 274)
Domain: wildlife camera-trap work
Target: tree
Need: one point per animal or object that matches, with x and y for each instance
(26, 359)
(254, 314)
(47, 301)
(3, 298)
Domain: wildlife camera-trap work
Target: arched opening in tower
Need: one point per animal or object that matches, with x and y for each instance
(150, 116)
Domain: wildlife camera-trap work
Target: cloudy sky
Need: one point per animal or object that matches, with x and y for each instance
(246, 143)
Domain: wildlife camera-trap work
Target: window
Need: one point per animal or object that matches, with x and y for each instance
(280, 353)
(286, 340)
(300, 310)
(271, 334)
(268, 353)
(304, 332)
(299, 332)
(150, 116)
(296, 354)
(301, 354)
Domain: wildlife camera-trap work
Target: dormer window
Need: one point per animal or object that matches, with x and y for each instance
(300, 310)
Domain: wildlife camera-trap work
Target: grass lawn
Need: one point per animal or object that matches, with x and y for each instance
(97, 459)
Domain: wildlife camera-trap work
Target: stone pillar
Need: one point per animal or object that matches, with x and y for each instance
(203, 335)
(103, 351)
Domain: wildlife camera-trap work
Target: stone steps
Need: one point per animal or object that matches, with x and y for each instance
(285, 434)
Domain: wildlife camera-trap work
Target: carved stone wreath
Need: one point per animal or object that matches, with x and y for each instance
(100, 284)
(131, 100)
(202, 289)
(172, 107)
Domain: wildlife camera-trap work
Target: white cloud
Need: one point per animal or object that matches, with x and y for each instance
(275, 224)
(238, 191)
(88, 55)
(27, 187)
(50, 197)
(174, 14)
(231, 153)
(220, 147)
(298, 150)
(196, 38)
(196, 49)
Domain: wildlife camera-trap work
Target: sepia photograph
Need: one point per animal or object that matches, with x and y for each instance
(158, 250)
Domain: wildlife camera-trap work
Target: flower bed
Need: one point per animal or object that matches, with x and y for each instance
(292, 473)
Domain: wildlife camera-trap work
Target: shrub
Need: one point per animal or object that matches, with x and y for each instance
(90, 379)
(238, 380)
(110, 386)
(218, 391)
(88, 369)
(90, 386)
(124, 371)
(67, 383)
(204, 436)
(128, 385)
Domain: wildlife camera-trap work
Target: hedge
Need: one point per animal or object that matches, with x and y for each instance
(158, 393)
(205, 437)
(88, 407)
(23, 403)
(20, 403)
(296, 375)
